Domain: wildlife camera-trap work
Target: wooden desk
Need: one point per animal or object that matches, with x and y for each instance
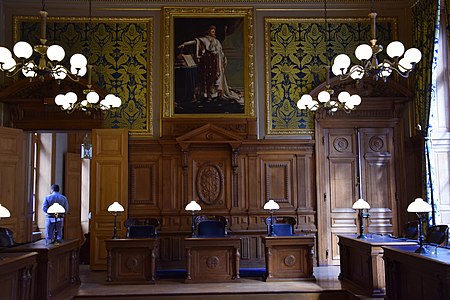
(362, 265)
(18, 275)
(412, 276)
(131, 261)
(212, 259)
(58, 266)
(289, 257)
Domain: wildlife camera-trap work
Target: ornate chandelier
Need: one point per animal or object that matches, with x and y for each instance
(401, 62)
(45, 61)
(69, 101)
(324, 101)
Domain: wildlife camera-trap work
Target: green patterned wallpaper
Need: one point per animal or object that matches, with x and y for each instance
(296, 51)
(119, 49)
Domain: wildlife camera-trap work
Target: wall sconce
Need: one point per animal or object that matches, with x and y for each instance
(193, 207)
(421, 208)
(115, 209)
(56, 210)
(361, 205)
(271, 206)
(86, 148)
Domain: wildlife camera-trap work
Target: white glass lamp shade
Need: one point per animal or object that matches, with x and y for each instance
(9, 64)
(92, 97)
(117, 102)
(361, 204)
(193, 206)
(78, 61)
(344, 97)
(419, 206)
(342, 61)
(356, 72)
(71, 97)
(55, 53)
(363, 52)
(395, 49)
(59, 72)
(60, 100)
(413, 55)
(5, 54)
(386, 69)
(4, 212)
(404, 65)
(355, 100)
(56, 208)
(324, 96)
(28, 70)
(337, 70)
(23, 50)
(78, 71)
(271, 205)
(115, 207)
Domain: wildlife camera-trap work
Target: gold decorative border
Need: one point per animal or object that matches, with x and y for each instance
(168, 53)
(137, 133)
(268, 70)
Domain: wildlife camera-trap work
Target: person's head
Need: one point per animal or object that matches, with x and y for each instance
(54, 188)
(212, 30)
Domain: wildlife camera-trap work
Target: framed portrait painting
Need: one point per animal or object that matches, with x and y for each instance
(208, 62)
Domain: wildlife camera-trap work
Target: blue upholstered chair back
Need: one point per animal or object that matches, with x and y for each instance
(437, 234)
(6, 237)
(211, 226)
(141, 228)
(282, 226)
(411, 230)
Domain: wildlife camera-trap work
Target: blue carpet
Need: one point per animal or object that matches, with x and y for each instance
(181, 273)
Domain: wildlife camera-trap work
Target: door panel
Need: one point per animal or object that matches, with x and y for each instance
(109, 183)
(338, 176)
(12, 183)
(72, 188)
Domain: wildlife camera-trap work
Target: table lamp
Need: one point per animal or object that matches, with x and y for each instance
(56, 210)
(4, 212)
(115, 209)
(361, 205)
(271, 206)
(421, 208)
(193, 207)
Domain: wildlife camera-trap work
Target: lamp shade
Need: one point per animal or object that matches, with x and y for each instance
(115, 207)
(4, 212)
(56, 208)
(193, 206)
(271, 205)
(361, 204)
(419, 206)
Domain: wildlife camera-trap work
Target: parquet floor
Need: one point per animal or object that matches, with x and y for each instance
(327, 286)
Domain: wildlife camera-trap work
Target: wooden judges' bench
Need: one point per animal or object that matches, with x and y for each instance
(18, 275)
(362, 264)
(57, 266)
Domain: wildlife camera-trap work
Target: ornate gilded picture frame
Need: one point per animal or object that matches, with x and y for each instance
(208, 62)
(296, 53)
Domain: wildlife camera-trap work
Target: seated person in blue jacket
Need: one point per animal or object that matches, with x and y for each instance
(51, 222)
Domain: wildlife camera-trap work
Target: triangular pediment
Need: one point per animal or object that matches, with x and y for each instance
(209, 134)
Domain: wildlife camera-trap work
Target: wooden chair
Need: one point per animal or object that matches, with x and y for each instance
(141, 228)
(437, 234)
(411, 230)
(282, 225)
(211, 226)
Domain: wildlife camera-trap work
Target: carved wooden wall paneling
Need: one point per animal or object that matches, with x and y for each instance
(202, 165)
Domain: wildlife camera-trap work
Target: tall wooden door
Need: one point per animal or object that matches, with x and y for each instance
(338, 170)
(72, 190)
(12, 183)
(109, 183)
